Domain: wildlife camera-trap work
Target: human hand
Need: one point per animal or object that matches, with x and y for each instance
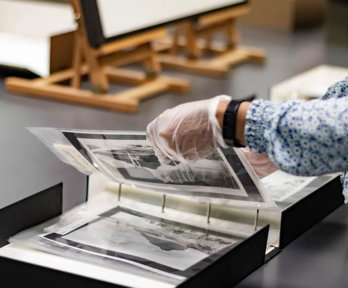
(187, 132)
(260, 163)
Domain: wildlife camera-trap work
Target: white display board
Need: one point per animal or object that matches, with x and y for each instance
(121, 17)
(25, 31)
(311, 84)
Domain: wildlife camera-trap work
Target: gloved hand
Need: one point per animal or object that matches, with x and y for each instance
(187, 132)
(260, 163)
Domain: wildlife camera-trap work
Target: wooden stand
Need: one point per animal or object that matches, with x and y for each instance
(99, 64)
(201, 53)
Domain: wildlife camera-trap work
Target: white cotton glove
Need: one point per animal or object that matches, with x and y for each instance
(187, 132)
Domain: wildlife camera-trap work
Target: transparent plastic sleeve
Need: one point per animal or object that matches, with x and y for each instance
(224, 177)
(55, 140)
(139, 243)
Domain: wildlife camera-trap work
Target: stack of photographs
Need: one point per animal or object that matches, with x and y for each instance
(162, 246)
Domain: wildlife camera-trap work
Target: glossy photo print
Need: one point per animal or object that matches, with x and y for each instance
(129, 158)
(163, 246)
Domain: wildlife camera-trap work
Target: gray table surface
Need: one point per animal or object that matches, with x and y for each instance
(317, 259)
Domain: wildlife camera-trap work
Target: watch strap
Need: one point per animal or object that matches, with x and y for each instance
(229, 123)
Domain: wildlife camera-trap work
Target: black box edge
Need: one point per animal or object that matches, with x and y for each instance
(307, 212)
(235, 265)
(30, 211)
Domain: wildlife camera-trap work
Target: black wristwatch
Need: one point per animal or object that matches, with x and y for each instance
(229, 121)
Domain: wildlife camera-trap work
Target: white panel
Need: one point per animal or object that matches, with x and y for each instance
(25, 52)
(25, 31)
(308, 85)
(119, 17)
(35, 19)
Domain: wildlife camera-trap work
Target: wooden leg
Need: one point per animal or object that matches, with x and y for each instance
(98, 79)
(175, 44)
(75, 81)
(232, 34)
(97, 76)
(151, 64)
(208, 43)
(90, 54)
(191, 41)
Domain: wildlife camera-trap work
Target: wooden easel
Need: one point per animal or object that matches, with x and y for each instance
(194, 38)
(99, 64)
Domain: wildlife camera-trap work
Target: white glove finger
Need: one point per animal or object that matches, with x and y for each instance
(176, 155)
(155, 140)
(162, 157)
(166, 148)
(150, 132)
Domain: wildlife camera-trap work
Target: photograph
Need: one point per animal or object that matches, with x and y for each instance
(129, 158)
(156, 244)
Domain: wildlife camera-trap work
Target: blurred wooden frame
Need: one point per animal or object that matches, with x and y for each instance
(99, 64)
(195, 38)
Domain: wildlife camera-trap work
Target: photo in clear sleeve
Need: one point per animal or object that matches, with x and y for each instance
(129, 158)
(162, 246)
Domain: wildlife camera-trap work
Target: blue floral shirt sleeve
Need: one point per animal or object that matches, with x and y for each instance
(302, 137)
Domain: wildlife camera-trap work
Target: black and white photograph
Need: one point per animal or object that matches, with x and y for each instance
(162, 246)
(129, 158)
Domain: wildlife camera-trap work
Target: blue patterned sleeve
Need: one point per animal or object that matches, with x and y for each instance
(337, 90)
(302, 137)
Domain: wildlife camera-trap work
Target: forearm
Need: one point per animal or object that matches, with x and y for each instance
(300, 137)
